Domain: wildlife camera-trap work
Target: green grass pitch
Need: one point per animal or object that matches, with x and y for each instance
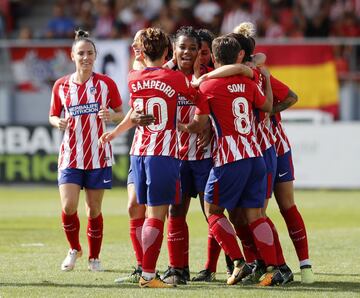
(32, 246)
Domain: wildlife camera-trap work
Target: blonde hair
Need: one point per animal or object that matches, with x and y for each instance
(246, 28)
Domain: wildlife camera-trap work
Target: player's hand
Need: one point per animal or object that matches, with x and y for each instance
(195, 83)
(265, 71)
(104, 114)
(182, 127)
(139, 118)
(204, 138)
(106, 137)
(63, 123)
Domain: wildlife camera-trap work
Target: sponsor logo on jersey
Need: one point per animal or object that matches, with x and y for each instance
(89, 108)
(182, 101)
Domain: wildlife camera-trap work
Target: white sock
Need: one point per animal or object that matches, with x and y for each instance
(305, 262)
(148, 275)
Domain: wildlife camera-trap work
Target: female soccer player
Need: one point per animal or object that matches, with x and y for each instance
(154, 152)
(284, 98)
(85, 98)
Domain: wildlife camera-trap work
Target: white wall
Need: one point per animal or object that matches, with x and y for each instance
(325, 155)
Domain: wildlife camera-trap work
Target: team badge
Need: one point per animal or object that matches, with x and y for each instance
(92, 90)
(73, 89)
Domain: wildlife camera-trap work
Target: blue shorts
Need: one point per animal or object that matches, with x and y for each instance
(270, 159)
(91, 179)
(156, 179)
(239, 184)
(130, 178)
(285, 168)
(194, 175)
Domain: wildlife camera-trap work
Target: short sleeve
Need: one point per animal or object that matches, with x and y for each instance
(202, 104)
(114, 95)
(56, 106)
(279, 89)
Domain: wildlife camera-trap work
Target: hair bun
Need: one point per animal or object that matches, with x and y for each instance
(246, 28)
(81, 34)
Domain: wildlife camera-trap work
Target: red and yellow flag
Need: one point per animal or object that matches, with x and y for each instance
(309, 70)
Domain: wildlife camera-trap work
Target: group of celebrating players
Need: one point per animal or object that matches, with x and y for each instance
(200, 131)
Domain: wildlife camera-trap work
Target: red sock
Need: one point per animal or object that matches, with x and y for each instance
(279, 253)
(249, 248)
(225, 235)
(95, 235)
(135, 236)
(71, 226)
(176, 241)
(297, 232)
(213, 252)
(264, 241)
(186, 246)
(152, 236)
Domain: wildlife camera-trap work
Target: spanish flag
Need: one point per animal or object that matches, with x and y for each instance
(309, 70)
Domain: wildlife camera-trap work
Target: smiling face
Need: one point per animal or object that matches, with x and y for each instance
(186, 53)
(205, 53)
(83, 54)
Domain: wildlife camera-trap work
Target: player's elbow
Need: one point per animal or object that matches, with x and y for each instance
(292, 97)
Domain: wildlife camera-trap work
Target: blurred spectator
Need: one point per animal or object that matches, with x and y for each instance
(2, 25)
(205, 12)
(164, 21)
(273, 28)
(84, 18)
(105, 20)
(60, 26)
(150, 8)
(236, 13)
(319, 26)
(25, 33)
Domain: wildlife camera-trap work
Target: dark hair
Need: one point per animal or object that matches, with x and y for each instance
(225, 49)
(154, 42)
(245, 44)
(206, 35)
(82, 35)
(188, 31)
(170, 48)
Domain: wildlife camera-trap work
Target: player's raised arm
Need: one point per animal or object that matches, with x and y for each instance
(289, 101)
(225, 71)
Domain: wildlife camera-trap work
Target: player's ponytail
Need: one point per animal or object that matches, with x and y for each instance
(246, 28)
(82, 35)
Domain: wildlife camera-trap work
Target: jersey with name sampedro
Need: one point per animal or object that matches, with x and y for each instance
(188, 145)
(156, 91)
(81, 104)
(230, 102)
(263, 131)
(280, 93)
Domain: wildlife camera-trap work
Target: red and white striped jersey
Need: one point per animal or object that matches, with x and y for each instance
(81, 104)
(230, 102)
(188, 147)
(156, 91)
(264, 135)
(280, 93)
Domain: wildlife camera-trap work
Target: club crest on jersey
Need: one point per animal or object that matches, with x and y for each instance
(89, 108)
(73, 89)
(92, 90)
